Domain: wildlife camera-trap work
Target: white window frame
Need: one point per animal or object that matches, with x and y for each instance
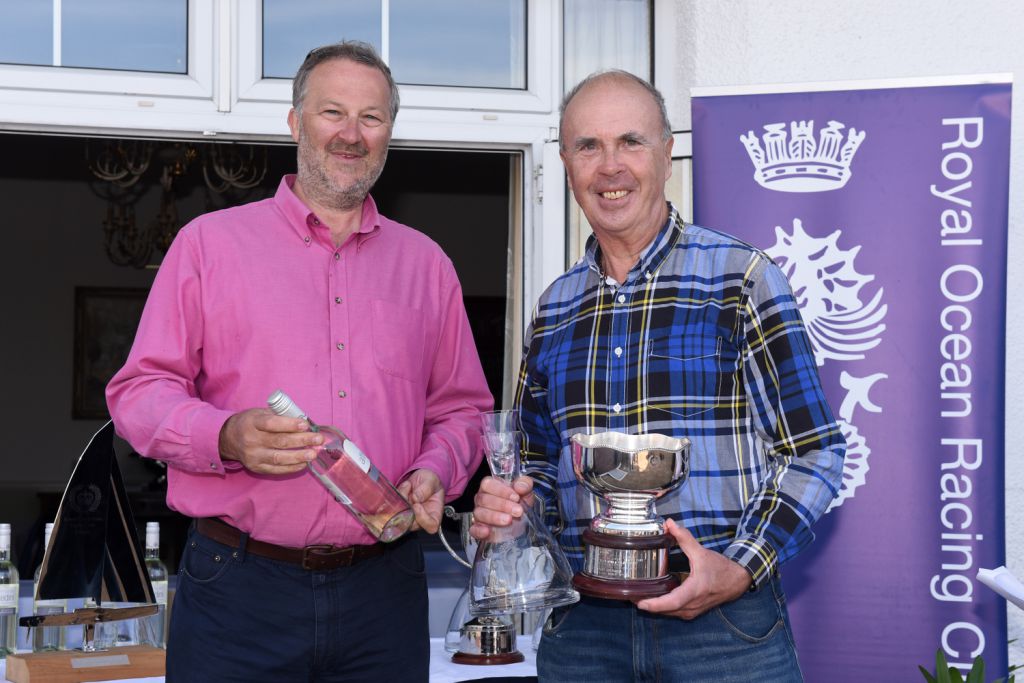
(61, 98)
(665, 59)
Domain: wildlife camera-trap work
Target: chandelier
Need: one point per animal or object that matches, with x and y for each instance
(125, 170)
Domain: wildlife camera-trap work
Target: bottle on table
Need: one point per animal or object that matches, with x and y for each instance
(153, 629)
(352, 478)
(8, 595)
(46, 638)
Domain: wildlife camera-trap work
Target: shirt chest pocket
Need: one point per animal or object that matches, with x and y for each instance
(398, 336)
(684, 374)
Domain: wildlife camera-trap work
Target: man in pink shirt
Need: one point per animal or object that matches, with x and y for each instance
(361, 321)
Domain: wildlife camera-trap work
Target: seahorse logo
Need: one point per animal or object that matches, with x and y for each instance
(840, 325)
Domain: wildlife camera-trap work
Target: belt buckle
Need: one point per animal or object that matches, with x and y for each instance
(319, 556)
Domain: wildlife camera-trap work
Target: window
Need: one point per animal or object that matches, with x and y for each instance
(464, 43)
(292, 27)
(97, 34)
(606, 34)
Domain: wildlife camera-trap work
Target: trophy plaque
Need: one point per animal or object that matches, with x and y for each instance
(626, 546)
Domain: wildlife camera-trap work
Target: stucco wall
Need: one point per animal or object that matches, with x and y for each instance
(742, 42)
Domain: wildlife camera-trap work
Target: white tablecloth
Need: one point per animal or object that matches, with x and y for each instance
(441, 668)
(443, 671)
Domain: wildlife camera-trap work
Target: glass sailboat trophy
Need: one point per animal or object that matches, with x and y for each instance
(519, 568)
(94, 552)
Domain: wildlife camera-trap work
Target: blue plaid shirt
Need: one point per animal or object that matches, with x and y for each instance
(704, 340)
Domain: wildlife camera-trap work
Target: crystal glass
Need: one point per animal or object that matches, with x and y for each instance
(518, 568)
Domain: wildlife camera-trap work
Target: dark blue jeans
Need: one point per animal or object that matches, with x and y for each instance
(745, 641)
(240, 617)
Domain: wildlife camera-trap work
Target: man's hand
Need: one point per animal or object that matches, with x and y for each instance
(714, 579)
(425, 494)
(266, 443)
(497, 504)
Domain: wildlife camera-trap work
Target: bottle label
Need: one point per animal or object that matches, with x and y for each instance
(361, 461)
(46, 606)
(160, 592)
(49, 607)
(9, 596)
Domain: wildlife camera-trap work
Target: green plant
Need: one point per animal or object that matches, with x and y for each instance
(944, 673)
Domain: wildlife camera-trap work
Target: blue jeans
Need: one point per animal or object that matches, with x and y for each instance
(241, 617)
(744, 641)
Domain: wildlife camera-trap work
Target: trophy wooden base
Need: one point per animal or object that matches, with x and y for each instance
(513, 657)
(621, 589)
(620, 555)
(75, 666)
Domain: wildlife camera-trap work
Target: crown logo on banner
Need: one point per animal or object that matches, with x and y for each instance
(799, 163)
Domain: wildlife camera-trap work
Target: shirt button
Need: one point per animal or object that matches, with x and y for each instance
(618, 350)
(342, 394)
(337, 257)
(341, 347)
(622, 298)
(306, 239)
(617, 408)
(316, 221)
(648, 275)
(337, 299)
(213, 465)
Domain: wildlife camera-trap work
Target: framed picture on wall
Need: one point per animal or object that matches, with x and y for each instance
(105, 322)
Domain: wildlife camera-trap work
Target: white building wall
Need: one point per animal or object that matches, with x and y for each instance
(745, 42)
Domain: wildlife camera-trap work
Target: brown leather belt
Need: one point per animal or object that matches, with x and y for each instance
(312, 557)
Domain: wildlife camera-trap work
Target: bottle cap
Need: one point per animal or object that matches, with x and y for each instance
(152, 535)
(5, 536)
(47, 531)
(282, 404)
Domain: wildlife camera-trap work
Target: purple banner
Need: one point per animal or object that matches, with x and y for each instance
(887, 209)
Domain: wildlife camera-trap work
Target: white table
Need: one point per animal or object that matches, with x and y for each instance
(447, 581)
(441, 668)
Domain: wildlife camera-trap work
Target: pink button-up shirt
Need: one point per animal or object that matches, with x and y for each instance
(371, 337)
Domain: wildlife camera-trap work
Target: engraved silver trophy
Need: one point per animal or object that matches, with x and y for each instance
(626, 546)
(469, 639)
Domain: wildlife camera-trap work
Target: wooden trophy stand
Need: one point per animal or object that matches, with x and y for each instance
(75, 666)
(67, 666)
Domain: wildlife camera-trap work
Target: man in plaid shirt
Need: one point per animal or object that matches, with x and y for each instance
(670, 328)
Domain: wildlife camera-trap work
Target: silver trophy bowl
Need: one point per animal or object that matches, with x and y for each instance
(630, 471)
(626, 545)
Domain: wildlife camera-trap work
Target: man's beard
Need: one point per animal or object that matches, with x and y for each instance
(324, 189)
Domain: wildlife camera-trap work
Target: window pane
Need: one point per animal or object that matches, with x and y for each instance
(291, 28)
(606, 34)
(26, 32)
(478, 43)
(126, 35)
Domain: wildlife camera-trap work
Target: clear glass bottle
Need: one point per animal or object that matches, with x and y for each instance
(46, 638)
(153, 629)
(352, 478)
(8, 595)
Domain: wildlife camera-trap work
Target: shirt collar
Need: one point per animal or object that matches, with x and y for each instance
(653, 255)
(303, 221)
